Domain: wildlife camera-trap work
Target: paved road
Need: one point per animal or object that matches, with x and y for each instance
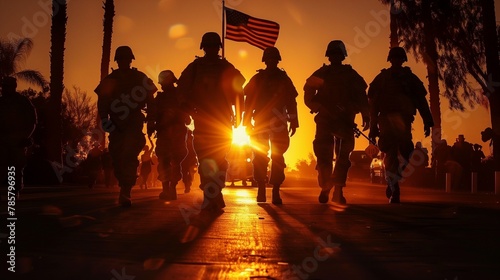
(77, 233)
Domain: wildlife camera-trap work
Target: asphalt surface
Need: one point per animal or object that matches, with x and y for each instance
(71, 232)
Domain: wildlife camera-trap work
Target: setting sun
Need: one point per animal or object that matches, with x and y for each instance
(240, 136)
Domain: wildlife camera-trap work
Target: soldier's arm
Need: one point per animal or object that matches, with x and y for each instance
(422, 105)
(185, 88)
(249, 103)
(291, 105)
(237, 81)
(360, 97)
(150, 104)
(312, 85)
(373, 91)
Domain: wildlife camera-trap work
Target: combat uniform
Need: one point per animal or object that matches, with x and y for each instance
(17, 123)
(395, 96)
(123, 95)
(270, 102)
(337, 93)
(171, 140)
(209, 87)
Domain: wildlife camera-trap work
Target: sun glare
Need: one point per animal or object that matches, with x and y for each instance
(240, 136)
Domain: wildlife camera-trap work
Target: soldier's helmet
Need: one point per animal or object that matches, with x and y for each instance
(336, 46)
(270, 53)
(210, 39)
(166, 77)
(397, 52)
(124, 52)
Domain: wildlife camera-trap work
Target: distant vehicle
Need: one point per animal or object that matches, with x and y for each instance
(240, 164)
(377, 170)
(360, 165)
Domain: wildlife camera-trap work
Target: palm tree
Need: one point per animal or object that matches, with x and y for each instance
(12, 55)
(109, 13)
(490, 38)
(413, 22)
(429, 30)
(54, 124)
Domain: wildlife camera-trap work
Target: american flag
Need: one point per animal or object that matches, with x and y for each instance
(244, 28)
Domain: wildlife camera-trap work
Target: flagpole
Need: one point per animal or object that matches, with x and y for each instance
(223, 24)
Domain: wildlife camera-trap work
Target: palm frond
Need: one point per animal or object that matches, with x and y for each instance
(22, 50)
(33, 77)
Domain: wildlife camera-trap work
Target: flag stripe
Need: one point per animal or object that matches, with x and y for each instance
(250, 40)
(249, 35)
(244, 28)
(253, 33)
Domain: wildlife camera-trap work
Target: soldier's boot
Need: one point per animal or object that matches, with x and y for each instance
(213, 205)
(261, 192)
(124, 198)
(172, 191)
(388, 191)
(219, 202)
(324, 194)
(338, 195)
(394, 198)
(165, 190)
(276, 195)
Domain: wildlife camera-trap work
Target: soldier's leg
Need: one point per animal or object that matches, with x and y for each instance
(391, 128)
(342, 165)
(179, 152)
(162, 153)
(323, 146)
(125, 150)
(211, 169)
(280, 141)
(260, 162)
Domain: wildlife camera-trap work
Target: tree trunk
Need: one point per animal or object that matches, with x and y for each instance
(109, 13)
(54, 124)
(493, 71)
(394, 41)
(430, 59)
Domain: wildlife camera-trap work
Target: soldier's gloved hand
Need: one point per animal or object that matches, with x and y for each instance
(293, 126)
(374, 133)
(366, 122)
(151, 127)
(427, 130)
(107, 125)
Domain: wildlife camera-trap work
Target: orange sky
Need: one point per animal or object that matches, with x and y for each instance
(165, 34)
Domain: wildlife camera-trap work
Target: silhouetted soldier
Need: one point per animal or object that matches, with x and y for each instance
(336, 92)
(395, 95)
(171, 129)
(270, 102)
(123, 95)
(189, 163)
(17, 123)
(210, 86)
